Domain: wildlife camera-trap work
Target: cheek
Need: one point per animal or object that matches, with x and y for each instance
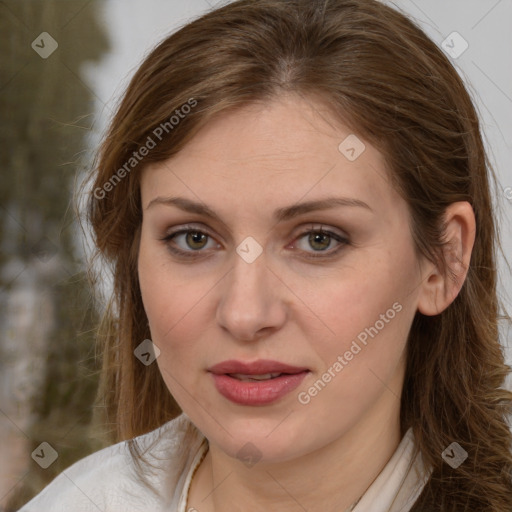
(368, 313)
(173, 310)
(370, 304)
(178, 310)
(362, 296)
(175, 315)
(165, 299)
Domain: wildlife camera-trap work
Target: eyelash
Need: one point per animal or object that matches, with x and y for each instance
(197, 254)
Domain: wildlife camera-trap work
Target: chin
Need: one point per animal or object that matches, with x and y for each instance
(262, 439)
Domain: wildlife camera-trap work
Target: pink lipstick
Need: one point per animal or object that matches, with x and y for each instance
(257, 383)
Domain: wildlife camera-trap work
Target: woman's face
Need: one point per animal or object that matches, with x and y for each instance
(281, 320)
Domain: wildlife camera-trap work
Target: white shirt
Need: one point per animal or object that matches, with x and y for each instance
(106, 481)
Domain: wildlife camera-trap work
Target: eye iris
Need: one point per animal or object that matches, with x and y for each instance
(195, 237)
(318, 238)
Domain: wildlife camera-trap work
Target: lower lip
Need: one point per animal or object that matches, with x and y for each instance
(257, 393)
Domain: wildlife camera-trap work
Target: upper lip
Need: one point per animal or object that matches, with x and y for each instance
(259, 367)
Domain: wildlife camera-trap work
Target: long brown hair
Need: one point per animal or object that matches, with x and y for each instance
(390, 83)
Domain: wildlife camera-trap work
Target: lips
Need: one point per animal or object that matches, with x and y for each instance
(260, 367)
(257, 383)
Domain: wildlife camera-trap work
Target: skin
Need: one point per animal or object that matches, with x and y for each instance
(283, 306)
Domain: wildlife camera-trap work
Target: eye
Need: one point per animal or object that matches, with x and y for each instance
(320, 241)
(189, 242)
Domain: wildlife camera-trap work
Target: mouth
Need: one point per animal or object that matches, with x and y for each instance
(262, 367)
(257, 383)
(252, 378)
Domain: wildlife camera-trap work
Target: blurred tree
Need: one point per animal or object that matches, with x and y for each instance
(48, 369)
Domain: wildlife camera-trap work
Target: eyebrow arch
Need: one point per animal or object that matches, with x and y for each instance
(280, 215)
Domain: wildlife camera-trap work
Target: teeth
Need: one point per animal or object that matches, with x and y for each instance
(265, 376)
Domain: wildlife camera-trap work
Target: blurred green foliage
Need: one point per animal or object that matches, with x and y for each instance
(46, 113)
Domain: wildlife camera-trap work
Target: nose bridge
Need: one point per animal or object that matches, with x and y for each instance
(249, 303)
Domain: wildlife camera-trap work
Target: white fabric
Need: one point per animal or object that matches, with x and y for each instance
(399, 484)
(106, 481)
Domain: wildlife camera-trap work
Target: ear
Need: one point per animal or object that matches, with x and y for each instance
(439, 289)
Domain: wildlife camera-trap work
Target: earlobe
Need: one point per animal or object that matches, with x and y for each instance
(440, 286)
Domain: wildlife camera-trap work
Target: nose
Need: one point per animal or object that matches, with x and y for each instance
(252, 303)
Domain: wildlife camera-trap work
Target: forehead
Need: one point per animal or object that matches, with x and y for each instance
(273, 153)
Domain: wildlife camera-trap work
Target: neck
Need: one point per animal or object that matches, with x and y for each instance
(333, 477)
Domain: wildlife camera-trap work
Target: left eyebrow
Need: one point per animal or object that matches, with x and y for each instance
(280, 215)
(289, 212)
